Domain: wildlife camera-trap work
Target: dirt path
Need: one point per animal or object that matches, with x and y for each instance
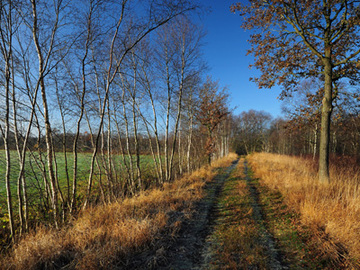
(190, 249)
(195, 247)
(240, 224)
(226, 219)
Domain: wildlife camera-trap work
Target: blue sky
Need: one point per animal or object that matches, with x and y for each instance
(225, 52)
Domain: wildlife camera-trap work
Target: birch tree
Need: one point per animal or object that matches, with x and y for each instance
(44, 57)
(125, 35)
(6, 47)
(178, 61)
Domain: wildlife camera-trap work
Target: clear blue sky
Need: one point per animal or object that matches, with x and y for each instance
(225, 51)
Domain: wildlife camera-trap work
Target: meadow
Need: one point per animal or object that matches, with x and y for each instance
(33, 173)
(35, 181)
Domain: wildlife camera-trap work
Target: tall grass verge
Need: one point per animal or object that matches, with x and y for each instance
(105, 237)
(331, 211)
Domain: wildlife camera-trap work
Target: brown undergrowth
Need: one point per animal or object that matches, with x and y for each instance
(105, 237)
(332, 212)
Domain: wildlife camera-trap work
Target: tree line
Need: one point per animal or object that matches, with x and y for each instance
(123, 82)
(298, 133)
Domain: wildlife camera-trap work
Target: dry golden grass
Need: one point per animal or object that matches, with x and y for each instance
(331, 210)
(104, 236)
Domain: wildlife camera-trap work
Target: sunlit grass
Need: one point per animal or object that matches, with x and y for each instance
(331, 211)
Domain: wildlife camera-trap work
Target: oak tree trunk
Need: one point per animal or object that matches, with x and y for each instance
(326, 111)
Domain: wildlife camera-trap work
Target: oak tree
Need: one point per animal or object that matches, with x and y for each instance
(211, 111)
(305, 39)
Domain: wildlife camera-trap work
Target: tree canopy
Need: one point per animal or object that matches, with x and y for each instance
(293, 38)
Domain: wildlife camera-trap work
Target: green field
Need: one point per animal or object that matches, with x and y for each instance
(34, 175)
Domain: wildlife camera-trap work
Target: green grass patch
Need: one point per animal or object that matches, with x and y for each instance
(35, 171)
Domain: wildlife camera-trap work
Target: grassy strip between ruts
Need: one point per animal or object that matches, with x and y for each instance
(106, 237)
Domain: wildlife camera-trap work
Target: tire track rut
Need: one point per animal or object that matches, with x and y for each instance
(190, 250)
(193, 248)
